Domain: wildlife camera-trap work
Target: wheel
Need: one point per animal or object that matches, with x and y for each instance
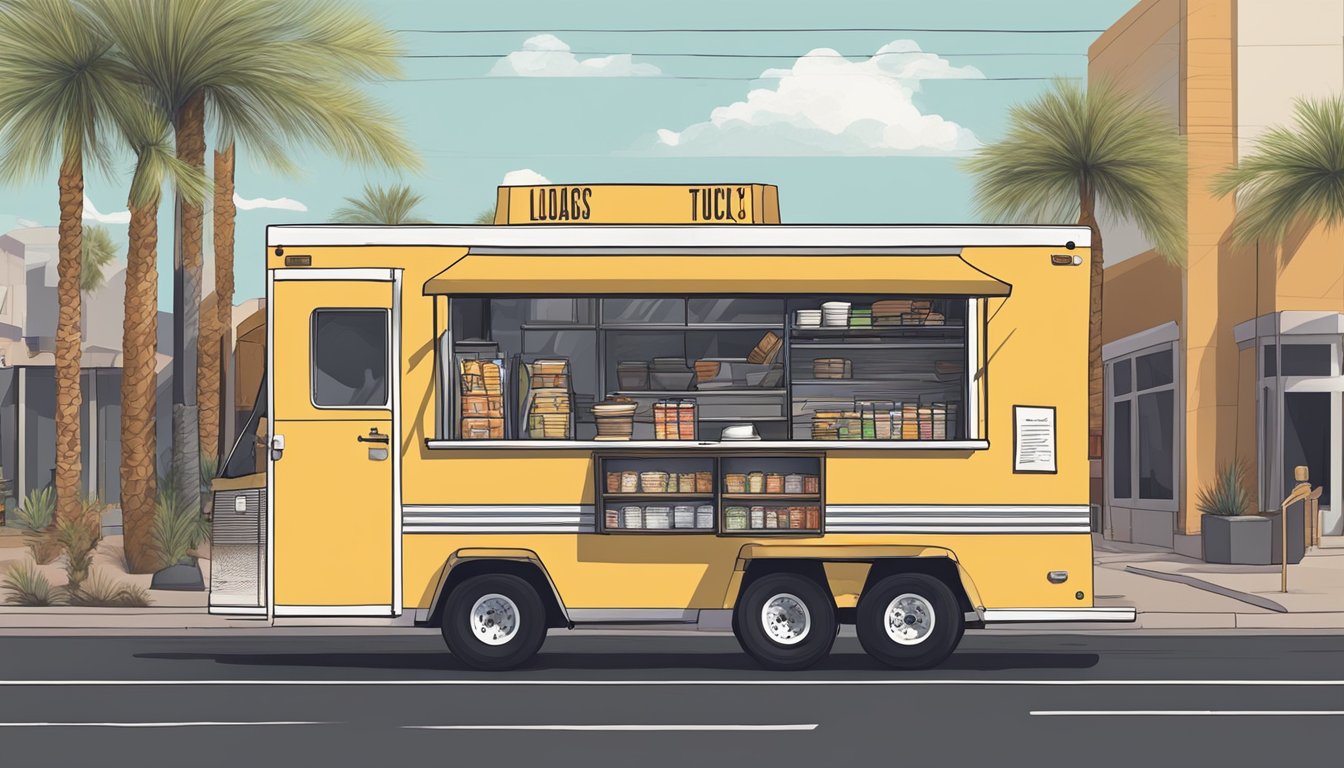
(909, 621)
(494, 621)
(785, 622)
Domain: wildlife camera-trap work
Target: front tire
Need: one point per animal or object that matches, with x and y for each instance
(909, 621)
(494, 622)
(785, 622)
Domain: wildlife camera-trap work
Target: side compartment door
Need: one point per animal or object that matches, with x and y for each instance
(334, 457)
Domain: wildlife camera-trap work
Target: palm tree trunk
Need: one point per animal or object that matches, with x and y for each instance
(139, 446)
(224, 213)
(68, 395)
(1096, 405)
(189, 127)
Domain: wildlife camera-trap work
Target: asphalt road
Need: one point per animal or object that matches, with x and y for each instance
(392, 700)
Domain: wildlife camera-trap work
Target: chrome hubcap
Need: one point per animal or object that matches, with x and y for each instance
(786, 619)
(909, 619)
(494, 619)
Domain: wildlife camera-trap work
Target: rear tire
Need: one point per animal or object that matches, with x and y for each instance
(494, 622)
(785, 622)
(909, 621)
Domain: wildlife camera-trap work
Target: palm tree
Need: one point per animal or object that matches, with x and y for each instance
(381, 205)
(147, 133)
(484, 217)
(1071, 149)
(1291, 177)
(55, 81)
(271, 74)
(97, 252)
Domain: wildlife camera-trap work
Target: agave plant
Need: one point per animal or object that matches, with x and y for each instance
(1226, 496)
(38, 509)
(178, 529)
(26, 586)
(103, 591)
(78, 541)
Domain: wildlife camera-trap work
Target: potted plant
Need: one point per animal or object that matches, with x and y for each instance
(1229, 534)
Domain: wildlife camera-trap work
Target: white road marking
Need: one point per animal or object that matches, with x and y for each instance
(739, 682)
(1185, 712)
(618, 727)
(178, 724)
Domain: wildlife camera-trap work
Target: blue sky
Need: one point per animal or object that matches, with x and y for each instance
(847, 136)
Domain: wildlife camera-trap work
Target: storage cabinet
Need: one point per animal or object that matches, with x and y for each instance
(732, 494)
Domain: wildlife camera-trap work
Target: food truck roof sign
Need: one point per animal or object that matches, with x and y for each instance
(638, 204)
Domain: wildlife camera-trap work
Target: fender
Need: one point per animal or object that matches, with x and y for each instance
(468, 554)
(841, 553)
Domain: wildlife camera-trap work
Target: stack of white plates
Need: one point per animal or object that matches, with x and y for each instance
(808, 318)
(835, 314)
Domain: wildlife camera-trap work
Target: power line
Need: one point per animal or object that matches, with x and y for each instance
(752, 30)
(726, 55)
(693, 77)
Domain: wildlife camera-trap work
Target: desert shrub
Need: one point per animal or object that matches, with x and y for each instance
(25, 585)
(209, 468)
(37, 511)
(177, 529)
(1226, 495)
(103, 591)
(79, 537)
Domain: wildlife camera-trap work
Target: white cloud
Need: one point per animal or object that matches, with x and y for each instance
(91, 214)
(549, 56)
(826, 104)
(280, 203)
(22, 222)
(523, 177)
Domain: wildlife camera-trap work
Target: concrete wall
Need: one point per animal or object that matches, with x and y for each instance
(1140, 293)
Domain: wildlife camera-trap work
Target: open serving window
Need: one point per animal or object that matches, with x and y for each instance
(689, 368)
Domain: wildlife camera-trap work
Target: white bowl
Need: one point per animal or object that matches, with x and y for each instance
(740, 432)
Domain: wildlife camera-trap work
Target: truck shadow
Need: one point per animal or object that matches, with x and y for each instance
(973, 661)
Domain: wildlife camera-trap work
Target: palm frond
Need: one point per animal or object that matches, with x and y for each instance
(1103, 143)
(27, 586)
(485, 217)
(98, 252)
(55, 79)
(1292, 175)
(381, 205)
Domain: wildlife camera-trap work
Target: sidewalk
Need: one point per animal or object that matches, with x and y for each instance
(1171, 591)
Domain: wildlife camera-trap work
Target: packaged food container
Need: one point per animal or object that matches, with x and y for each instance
(735, 482)
(653, 482)
(811, 484)
(683, 516)
(613, 482)
(672, 479)
(771, 519)
(704, 482)
(782, 515)
(612, 518)
(629, 481)
(704, 516)
(758, 517)
(813, 517)
(735, 518)
(633, 375)
(774, 483)
(756, 482)
(657, 517)
(793, 484)
(686, 482)
(797, 517)
(632, 516)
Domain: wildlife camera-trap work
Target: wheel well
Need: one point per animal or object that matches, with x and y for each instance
(811, 569)
(941, 568)
(528, 571)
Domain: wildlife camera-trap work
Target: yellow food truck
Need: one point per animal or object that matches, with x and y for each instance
(658, 405)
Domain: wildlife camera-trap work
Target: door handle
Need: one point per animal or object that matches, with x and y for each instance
(277, 447)
(374, 436)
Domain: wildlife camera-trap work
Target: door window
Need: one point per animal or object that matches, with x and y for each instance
(350, 358)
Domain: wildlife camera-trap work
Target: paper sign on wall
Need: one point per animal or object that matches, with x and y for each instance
(1033, 439)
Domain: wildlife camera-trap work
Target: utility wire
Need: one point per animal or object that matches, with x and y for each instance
(752, 30)
(693, 77)
(723, 55)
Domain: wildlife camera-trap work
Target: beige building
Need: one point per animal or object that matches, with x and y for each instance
(1236, 355)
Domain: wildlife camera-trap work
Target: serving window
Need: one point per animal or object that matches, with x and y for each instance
(707, 368)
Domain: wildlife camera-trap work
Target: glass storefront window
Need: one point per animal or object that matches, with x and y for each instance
(1156, 444)
(1306, 359)
(1143, 426)
(1121, 485)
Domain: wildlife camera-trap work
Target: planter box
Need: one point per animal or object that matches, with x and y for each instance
(1236, 540)
(1296, 536)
